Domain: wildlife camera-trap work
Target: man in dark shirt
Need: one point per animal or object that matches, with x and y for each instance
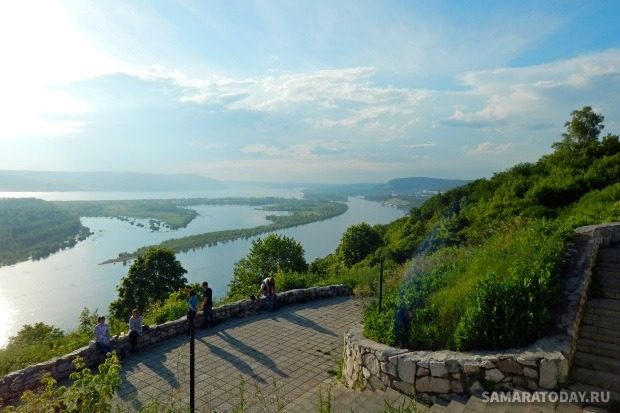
(207, 305)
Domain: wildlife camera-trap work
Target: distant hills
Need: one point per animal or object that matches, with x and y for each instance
(394, 187)
(56, 181)
(51, 181)
(408, 186)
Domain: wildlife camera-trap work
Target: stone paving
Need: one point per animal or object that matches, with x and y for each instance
(277, 358)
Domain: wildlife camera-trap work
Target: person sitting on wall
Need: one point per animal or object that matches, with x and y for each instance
(135, 328)
(268, 290)
(102, 336)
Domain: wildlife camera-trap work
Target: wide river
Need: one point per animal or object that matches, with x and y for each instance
(54, 290)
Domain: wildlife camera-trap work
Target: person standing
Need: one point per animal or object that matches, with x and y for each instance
(192, 308)
(207, 305)
(135, 328)
(102, 336)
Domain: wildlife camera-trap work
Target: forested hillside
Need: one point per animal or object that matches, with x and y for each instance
(32, 228)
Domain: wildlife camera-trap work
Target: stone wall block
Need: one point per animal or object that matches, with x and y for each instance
(432, 384)
(493, 375)
(407, 369)
(456, 386)
(509, 366)
(422, 371)
(549, 374)
(371, 363)
(404, 387)
(390, 367)
(471, 368)
(438, 369)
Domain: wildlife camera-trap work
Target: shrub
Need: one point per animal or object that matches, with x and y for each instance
(88, 393)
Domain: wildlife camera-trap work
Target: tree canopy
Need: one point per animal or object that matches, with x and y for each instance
(267, 256)
(582, 129)
(357, 242)
(151, 278)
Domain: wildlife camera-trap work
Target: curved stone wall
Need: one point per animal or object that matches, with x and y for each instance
(543, 365)
(14, 384)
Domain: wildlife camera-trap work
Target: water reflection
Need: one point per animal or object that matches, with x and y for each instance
(7, 319)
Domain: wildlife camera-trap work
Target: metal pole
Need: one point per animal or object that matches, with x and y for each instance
(191, 367)
(381, 285)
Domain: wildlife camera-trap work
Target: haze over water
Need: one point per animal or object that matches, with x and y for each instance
(55, 289)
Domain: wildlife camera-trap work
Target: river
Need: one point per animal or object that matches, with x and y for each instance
(55, 289)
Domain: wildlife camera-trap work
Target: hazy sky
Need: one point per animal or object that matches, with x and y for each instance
(323, 91)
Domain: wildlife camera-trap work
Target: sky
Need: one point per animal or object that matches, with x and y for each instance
(302, 91)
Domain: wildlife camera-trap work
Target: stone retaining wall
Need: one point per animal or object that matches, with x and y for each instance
(542, 365)
(14, 384)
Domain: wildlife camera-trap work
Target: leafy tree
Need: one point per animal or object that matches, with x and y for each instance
(36, 334)
(151, 278)
(267, 256)
(357, 242)
(582, 130)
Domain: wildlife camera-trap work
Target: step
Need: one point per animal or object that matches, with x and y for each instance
(592, 332)
(599, 321)
(602, 312)
(582, 387)
(612, 295)
(474, 405)
(604, 304)
(607, 381)
(613, 316)
(608, 279)
(455, 407)
(596, 362)
(594, 347)
(607, 270)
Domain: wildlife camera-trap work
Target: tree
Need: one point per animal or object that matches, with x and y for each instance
(357, 242)
(151, 278)
(582, 130)
(267, 256)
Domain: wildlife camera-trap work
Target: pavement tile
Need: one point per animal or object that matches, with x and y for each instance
(293, 348)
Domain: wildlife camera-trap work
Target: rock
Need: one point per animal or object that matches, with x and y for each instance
(407, 370)
(548, 374)
(509, 366)
(432, 384)
(531, 373)
(438, 369)
(493, 375)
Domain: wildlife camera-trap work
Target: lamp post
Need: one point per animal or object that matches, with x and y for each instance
(381, 284)
(191, 367)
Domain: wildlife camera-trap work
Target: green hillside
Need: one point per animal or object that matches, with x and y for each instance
(485, 272)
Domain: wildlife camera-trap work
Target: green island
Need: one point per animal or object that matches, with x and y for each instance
(301, 212)
(33, 229)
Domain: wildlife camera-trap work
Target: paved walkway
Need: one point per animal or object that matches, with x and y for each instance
(280, 358)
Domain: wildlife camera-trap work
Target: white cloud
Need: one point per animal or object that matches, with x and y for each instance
(341, 98)
(420, 145)
(512, 93)
(488, 148)
(303, 151)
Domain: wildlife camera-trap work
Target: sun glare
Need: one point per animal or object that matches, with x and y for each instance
(7, 319)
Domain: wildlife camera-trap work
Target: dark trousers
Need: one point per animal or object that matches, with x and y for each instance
(133, 339)
(272, 302)
(207, 314)
(103, 348)
(190, 321)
